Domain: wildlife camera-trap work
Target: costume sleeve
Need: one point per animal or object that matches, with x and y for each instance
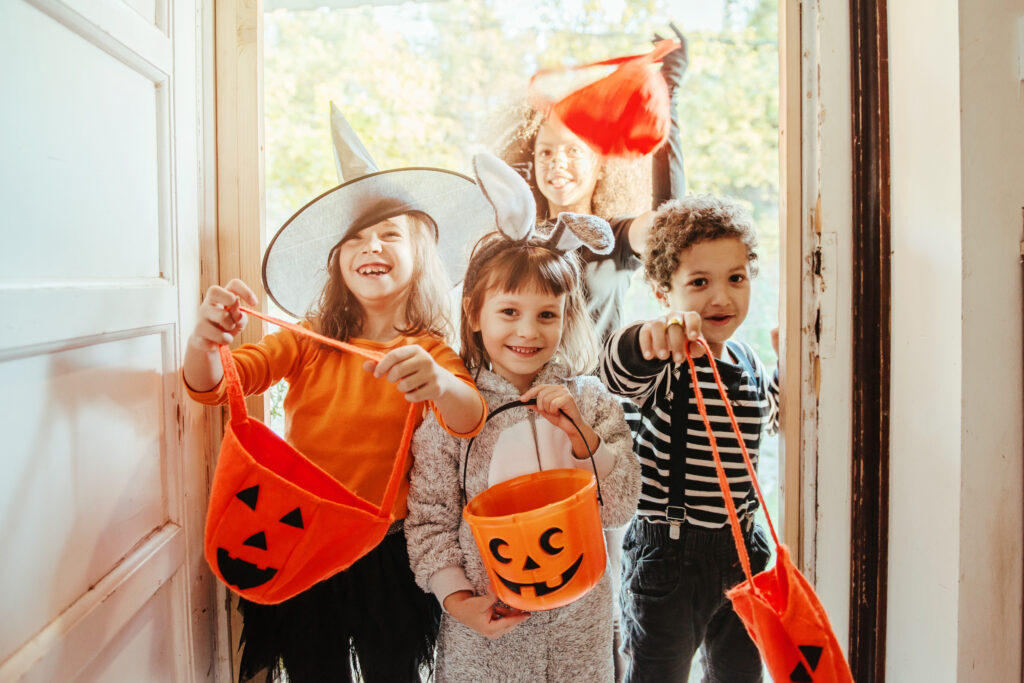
(435, 512)
(668, 176)
(620, 486)
(260, 366)
(449, 360)
(625, 371)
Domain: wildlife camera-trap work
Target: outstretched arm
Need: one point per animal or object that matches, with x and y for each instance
(668, 175)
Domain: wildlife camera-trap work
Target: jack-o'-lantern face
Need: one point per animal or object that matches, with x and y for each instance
(249, 564)
(547, 565)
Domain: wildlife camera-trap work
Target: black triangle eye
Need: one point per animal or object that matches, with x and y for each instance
(249, 496)
(294, 518)
(256, 541)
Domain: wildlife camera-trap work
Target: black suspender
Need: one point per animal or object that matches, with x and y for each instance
(676, 510)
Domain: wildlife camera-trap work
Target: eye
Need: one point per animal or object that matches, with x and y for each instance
(545, 541)
(393, 235)
(548, 315)
(294, 518)
(511, 312)
(737, 277)
(495, 546)
(698, 282)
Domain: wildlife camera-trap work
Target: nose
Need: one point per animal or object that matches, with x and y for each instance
(559, 158)
(373, 244)
(719, 295)
(526, 328)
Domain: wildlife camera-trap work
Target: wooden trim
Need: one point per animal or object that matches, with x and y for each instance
(238, 31)
(790, 278)
(871, 339)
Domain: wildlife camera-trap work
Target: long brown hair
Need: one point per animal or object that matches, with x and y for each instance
(513, 267)
(339, 315)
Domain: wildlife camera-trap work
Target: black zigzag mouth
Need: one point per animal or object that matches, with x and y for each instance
(541, 588)
(241, 574)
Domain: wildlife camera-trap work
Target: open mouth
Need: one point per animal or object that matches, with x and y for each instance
(524, 351)
(374, 269)
(718, 319)
(541, 588)
(241, 574)
(559, 182)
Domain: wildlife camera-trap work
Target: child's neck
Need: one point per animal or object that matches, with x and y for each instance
(381, 324)
(720, 351)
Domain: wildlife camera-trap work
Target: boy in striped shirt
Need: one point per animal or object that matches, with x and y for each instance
(678, 553)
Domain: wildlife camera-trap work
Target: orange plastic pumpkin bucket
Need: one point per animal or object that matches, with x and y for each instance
(540, 536)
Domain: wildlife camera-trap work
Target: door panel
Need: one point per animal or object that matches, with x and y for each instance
(105, 465)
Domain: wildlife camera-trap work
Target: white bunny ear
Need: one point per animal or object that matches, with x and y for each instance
(576, 229)
(513, 202)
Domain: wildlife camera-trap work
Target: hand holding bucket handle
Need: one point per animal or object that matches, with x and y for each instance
(778, 606)
(524, 404)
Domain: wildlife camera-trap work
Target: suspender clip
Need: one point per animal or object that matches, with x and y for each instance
(675, 514)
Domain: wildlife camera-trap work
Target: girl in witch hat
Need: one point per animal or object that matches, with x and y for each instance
(358, 264)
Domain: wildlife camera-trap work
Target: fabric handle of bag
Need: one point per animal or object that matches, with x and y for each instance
(661, 48)
(239, 414)
(723, 481)
(523, 404)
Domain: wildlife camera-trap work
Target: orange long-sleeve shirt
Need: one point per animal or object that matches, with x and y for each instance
(337, 414)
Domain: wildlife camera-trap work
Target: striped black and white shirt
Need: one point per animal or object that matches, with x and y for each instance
(649, 386)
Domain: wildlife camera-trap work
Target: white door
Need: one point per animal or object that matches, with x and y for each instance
(102, 463)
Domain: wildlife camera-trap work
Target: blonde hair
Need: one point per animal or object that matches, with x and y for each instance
(512, 266)
(339, 315)
(615, 193)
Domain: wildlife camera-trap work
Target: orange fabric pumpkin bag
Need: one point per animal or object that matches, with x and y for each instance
(276, 523)
(779, 607)
(624, 114)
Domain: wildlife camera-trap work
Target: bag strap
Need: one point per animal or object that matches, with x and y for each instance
(523, 404)
(723, 481)
(239, 414)
(543, 102)
(675, 512)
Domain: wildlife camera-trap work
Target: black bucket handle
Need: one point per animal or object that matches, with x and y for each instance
(523, 404)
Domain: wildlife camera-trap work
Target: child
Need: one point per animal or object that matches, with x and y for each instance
(525, 335)
(678, 555)
(381, 287)
(565, 174)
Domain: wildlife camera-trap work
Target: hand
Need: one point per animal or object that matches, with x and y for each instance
(483, 613)
(414, 372)
(220, 320)
(556, 405)
(775, 340)
(669, 335)
(675, 63)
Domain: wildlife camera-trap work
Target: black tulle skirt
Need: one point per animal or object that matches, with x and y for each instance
(370, 621)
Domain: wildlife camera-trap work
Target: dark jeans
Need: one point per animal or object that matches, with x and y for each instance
(673, 601)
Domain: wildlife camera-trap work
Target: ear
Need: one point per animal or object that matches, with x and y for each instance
(513, 202)
(660, 294)
(576, 229)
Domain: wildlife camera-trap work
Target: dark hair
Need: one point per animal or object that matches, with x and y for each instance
(681, 223)
(616, 192)
(512, 266)
(339, 315)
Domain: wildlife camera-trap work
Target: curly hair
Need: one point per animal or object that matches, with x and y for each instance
(512, 266)
(616, 192)
(681, 223)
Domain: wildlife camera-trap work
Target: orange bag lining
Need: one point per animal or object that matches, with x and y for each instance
(281, 460)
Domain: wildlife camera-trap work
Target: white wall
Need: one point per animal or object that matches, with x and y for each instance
(957, 146)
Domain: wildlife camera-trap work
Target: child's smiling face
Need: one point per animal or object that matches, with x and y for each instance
(566, 168)
(713, 279)
(520, 332)
(377, 262)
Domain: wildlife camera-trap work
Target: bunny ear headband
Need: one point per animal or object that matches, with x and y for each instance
(516, 213)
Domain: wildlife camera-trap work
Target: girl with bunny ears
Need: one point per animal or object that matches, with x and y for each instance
(525, 336)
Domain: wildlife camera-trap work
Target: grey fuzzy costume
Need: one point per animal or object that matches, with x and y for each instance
(567, 643)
